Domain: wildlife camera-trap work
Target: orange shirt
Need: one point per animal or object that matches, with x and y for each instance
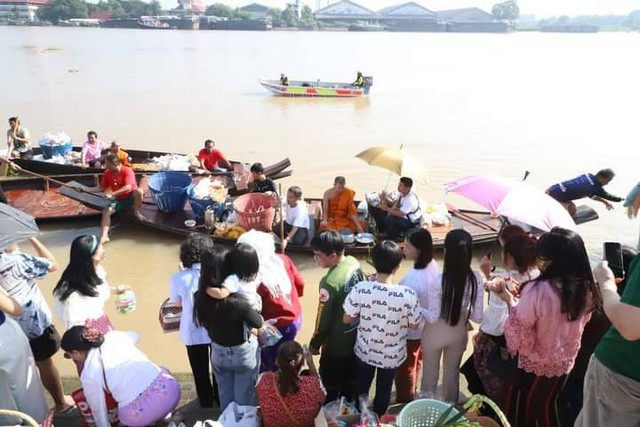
(123, 156)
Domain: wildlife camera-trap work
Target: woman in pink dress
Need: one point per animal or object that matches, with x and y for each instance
(286, 398)
(544, 329)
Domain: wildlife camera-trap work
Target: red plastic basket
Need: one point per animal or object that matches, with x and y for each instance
(255, 211)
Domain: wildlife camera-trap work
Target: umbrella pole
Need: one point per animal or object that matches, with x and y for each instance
(504, 224)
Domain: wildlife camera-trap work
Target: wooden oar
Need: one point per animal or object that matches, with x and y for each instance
(469, 218)
(48, 178)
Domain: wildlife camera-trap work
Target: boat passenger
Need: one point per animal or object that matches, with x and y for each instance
(212, 159)
(401, 216)
(284, 80)
(338, 209)
(296, 219)
(144, 392)
(120, 189)
(587, 185)
(359, 80)
(18, 140)
(116, 149)
(92, 150)
(261, 184)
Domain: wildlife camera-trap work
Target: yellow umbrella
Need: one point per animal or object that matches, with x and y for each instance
(396, 160)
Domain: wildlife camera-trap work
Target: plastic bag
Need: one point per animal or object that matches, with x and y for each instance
(269, 335)
(235, 415)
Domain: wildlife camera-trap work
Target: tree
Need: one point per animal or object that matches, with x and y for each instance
(276, 16)
(306, 15)
(154, 8)
(58, 10)
(241, 14)
(290, 16)
(506, 11)
(219, 10)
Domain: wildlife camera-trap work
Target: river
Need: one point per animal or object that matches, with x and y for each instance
(556, 105)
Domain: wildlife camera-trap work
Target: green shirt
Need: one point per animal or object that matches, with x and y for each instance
(336, 338)
(615, 352)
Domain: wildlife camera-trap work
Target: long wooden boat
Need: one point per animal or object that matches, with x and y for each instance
(45, 199)
(480, 224)
(317, 88)
(140, 161)
(41, 198)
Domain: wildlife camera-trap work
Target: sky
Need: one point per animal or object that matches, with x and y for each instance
(540, 8)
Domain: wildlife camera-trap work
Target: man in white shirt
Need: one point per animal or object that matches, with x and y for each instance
(385, 312)
(401, 216)
(296, 223)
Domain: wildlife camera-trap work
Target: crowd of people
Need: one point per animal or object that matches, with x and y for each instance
(557, 345)
(531, 341)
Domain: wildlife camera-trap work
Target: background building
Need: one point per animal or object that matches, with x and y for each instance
(20, 9)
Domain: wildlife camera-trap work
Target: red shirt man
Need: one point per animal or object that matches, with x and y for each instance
(211, 158)
(115, 180)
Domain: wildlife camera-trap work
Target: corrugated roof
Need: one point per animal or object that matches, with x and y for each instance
(469, 14)
(410, 8)
(345, 7)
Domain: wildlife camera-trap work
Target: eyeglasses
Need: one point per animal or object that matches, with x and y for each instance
(67, 355)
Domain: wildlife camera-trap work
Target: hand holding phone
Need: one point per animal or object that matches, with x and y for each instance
(613, 256)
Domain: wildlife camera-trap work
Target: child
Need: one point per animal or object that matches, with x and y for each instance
(296, 221)
(385, 312)
(244, 265)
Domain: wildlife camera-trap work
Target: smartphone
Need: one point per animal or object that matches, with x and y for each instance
(613, 255)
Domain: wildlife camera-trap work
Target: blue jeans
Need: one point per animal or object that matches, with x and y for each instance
(236, 371)
(394, 225)
(384, 383)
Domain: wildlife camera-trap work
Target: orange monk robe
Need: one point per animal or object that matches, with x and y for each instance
(341, 212)
(124, 157)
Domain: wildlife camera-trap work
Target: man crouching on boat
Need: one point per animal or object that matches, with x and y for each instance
(121, 190)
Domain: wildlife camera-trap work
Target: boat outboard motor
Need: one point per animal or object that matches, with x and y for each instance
(368, 82)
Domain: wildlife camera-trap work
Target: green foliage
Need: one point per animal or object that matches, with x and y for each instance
(126, 9)
(276, 16)
(506, 11)
(290, 16)
(59, 10)
(241, 14)
(220, 10)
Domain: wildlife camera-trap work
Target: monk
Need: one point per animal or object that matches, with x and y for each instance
(338, 210)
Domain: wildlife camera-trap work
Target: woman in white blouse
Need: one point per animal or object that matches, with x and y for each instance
(418, 247)
(82, 291)
(144, 392)
(453, 300)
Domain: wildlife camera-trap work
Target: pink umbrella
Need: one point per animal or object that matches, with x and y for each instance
(516, 200)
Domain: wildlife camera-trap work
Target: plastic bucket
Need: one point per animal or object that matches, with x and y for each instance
(169, 190)
(50, 151)
(199, 206)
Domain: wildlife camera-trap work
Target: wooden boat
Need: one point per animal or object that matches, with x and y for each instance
(41, 199)
(480, 224)
(140, 160)
(147, 23)
(317, 88)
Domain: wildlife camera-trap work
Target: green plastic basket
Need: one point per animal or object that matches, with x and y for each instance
(423, 413)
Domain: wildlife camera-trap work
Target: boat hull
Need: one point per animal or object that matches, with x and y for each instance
(315, 89)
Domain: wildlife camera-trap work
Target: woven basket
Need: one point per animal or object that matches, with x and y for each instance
(169, 316)
(255, 211)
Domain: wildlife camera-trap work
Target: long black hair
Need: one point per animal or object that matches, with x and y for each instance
(289, 360)
(421, 240)
(569, 267)
(215, 266)
(80, 275)
(457, 275)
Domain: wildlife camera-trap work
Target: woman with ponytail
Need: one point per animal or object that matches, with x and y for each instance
(453, 300)
(286, 398)
(81, 292)
(144, 392)
(544, 329)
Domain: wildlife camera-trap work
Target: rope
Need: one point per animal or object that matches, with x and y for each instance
(58, 202)
(17, 414)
